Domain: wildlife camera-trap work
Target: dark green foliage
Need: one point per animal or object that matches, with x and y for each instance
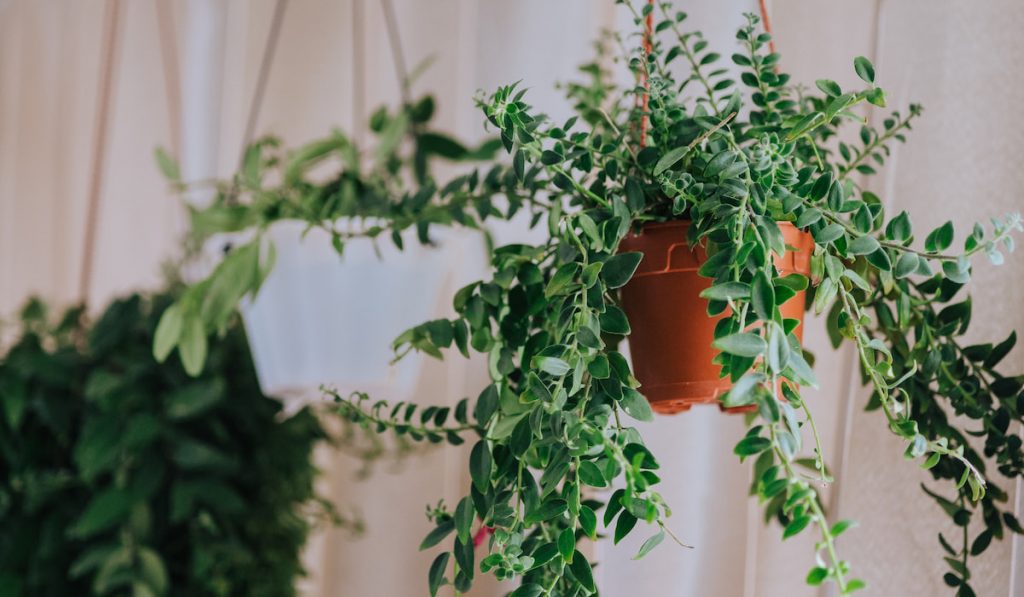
(120, 475)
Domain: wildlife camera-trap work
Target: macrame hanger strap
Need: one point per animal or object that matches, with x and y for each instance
(768, 28)
(110, 50)
(269, 49)
(644, 77)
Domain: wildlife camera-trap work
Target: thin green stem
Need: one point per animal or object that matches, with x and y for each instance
(875, 143)
(688, 53)
(818, 514)
(820, 455)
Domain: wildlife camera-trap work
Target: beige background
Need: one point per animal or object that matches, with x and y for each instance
(960, 59)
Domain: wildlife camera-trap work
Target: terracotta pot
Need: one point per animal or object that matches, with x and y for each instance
(671, 336)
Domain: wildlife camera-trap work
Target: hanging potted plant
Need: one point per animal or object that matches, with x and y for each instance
(738, 198)
(328, 230)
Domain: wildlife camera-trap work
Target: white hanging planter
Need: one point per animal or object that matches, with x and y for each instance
(321, 318)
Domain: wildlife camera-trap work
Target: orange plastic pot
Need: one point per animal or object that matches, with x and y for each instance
(671, 335)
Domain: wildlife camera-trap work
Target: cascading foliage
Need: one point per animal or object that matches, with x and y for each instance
(552, 429)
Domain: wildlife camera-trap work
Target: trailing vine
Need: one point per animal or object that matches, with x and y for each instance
(740, 162)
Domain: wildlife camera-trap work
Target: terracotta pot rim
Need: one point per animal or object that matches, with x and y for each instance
(685, 222)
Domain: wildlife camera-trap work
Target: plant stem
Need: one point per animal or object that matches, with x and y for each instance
(877, 142)
(348, 407)
(819, 515)
(817, 441)
(692, 60)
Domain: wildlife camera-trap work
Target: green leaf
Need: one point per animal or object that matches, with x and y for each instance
(168, 165)
(821, 186)
(752, 444)
(816, 576)
(551, 365)
(762, 296)
(795, 282)
(940, 238)
(543, 554)
(636, 405)
(726, 291)
(546, 511)
(522, 437)
(591, 474)
(168, 331)
(959, 567)
(795, 526)
(562, 280)
(906, 265)
(435, 536)
(480, 464)
(829, 87)
(1001, 350)
(669, 159)
(899, 228)
(855, 585)
(519, 165)
(442, 145)
(89, 560)
(153, 570)
(113, 570)
(840, 527)
(581, 570)
(192, 346)
(863, 245)
(104, 511)
(567, 544)
(486, 405)
(876, 97)
(464, 516)
(828, 234)
(614, 321)
(465, 557)
(743, 344)
(955, 272)
(195, 398)
(865, 70)
(15, 403)
(528, 590)
(588, 521)
(740, 393)
(435, 578)
(808, 217)
(550, 158)
(931, 461)
(619, 269)
(624, 525)
(650, 544)
(778, 349)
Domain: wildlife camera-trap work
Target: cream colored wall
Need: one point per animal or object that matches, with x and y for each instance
(956, 58)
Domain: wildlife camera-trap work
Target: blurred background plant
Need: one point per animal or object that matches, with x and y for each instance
(121, 474)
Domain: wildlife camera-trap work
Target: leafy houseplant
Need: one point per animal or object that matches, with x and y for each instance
(738, 165)
(120, 475)
(334, 186)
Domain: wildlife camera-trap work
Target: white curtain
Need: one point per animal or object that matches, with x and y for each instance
(959, 59)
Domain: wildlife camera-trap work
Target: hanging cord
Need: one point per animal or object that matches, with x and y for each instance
(269, 49)
(768, 27)
(108, 66)
(395, 41)
(169, 60)
(644, 78)
(358, 71)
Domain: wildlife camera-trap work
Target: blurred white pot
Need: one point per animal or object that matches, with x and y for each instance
(324, 319)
